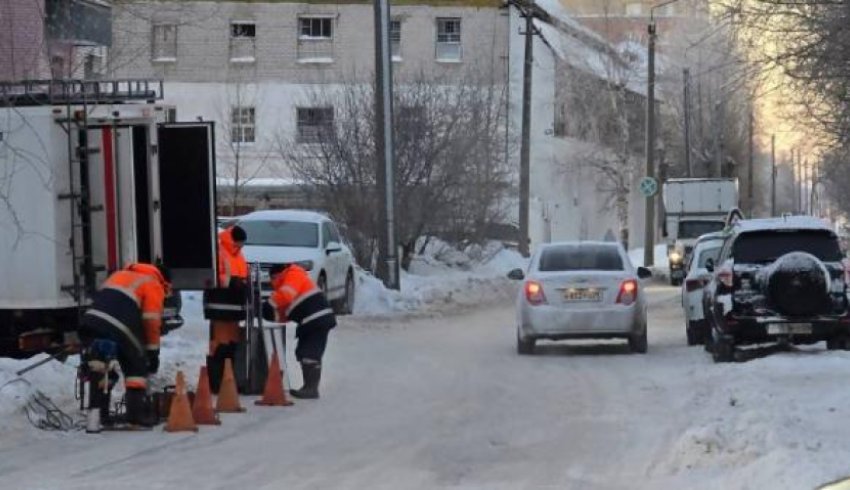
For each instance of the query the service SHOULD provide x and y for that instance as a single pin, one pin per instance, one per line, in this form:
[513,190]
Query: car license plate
[789,328]
[582,294]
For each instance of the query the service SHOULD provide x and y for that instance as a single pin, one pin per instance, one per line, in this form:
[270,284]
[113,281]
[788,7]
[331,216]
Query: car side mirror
[644,273]
[516,275]
[333,247]
[709,265]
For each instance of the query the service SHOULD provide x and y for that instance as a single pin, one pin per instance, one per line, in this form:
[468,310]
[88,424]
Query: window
[281,233]
[634,9]
[395,40]
[581,258]
[315,27]
[767,246]
[695,229]
[242,41]
[314,124]
[329,234]
[242,125]
[315,40]
[448,39]
[164,42]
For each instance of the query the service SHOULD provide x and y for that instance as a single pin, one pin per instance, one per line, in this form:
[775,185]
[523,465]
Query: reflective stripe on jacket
[231,262]
[131,300]
[297,298]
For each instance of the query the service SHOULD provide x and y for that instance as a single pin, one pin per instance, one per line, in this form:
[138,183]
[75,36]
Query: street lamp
[649,230]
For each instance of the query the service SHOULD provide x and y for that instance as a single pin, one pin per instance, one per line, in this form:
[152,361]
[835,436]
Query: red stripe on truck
[109,200]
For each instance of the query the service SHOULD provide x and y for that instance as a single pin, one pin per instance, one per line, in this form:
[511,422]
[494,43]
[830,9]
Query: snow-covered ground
[441,400]
[443,279]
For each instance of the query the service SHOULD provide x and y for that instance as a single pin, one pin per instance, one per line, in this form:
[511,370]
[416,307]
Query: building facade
[41,39]
[254,68]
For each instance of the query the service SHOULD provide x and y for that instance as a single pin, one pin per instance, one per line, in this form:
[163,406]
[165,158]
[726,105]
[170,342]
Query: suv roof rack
[71,91]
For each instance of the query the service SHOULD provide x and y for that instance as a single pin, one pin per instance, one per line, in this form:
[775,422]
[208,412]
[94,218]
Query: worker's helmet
[238,234]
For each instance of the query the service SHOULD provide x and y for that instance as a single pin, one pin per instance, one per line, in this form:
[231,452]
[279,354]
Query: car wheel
[323,284]
[722,350]
[839,342]
[524,346]
[639,343]
[345,306]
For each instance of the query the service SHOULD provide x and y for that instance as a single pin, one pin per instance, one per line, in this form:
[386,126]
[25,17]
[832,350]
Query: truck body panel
[55,250]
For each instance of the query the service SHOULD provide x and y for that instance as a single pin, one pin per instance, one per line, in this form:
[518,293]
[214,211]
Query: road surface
[444,403]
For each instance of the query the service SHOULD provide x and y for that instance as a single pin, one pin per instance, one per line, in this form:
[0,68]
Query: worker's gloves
[238,284]
[153,360]
[269,313]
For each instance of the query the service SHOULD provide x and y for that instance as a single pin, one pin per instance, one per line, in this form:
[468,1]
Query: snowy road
[446,403]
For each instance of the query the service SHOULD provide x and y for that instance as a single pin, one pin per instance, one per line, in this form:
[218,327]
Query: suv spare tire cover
[798,285]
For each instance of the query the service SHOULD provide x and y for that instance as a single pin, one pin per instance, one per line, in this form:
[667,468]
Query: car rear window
[281,233]
[768,246]
[695,229]
[708,253]
[581,258]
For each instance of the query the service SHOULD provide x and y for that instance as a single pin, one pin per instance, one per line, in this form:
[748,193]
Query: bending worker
[296,298]
[233,275]
[124,323]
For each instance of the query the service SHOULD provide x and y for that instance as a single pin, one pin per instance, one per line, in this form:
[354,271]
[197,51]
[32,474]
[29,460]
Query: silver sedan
[580,290]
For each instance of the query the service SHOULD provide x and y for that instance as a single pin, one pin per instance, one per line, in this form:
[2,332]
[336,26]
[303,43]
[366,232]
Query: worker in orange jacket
[296,298]
[232,274]
[124,324]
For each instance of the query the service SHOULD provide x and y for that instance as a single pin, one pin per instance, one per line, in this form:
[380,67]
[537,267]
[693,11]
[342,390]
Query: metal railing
[61,91]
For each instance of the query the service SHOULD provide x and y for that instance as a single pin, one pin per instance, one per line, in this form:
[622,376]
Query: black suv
[777,280]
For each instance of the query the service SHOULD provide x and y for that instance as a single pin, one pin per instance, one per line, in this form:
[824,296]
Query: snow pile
[54,379]
[443,276]
[774,420]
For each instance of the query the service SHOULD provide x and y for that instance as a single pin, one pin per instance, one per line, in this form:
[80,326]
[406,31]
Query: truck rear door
[187,203]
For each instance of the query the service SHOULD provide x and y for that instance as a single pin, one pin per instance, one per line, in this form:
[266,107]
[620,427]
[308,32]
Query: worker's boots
[139,408]
[312,373]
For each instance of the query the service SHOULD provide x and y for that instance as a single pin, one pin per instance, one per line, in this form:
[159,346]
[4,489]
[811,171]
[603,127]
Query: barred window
[314,124]
[164,42]
[242,125]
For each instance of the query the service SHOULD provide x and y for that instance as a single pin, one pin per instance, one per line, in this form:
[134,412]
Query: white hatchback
[580,290]
[308,238]
[696,277]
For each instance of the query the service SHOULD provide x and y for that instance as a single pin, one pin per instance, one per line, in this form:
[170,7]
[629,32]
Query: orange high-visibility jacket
[231,262]
[144,284]
[297,298]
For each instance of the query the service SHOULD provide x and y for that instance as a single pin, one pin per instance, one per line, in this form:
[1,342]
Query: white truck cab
[694,207]
[95,175]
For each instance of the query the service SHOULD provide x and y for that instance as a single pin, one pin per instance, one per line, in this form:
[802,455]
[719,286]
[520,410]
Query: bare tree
[450,152]
[604,109]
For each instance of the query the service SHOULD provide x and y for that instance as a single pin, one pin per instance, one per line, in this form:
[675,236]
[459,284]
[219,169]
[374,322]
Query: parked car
[779,279]
[308,238]
[707,248]
[579,290]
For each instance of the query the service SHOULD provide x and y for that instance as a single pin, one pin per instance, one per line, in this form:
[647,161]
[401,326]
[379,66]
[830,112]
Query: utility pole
[751,164]
[649,230]
[718,137]
[387,249]
[525,144]
[686,76]
[773,175]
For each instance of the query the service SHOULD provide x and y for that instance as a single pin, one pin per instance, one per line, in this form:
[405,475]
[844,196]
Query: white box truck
[93,176]
[694,207]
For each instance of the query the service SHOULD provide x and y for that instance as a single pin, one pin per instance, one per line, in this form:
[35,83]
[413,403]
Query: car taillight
[694,284]
[726,277]
[534,293]
[628,292]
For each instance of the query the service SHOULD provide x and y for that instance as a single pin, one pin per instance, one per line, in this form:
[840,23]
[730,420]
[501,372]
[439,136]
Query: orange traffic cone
[274,394]
[228,395]
[202,408]
[180,415]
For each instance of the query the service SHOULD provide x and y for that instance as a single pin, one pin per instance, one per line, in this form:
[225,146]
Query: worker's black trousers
[312,341]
